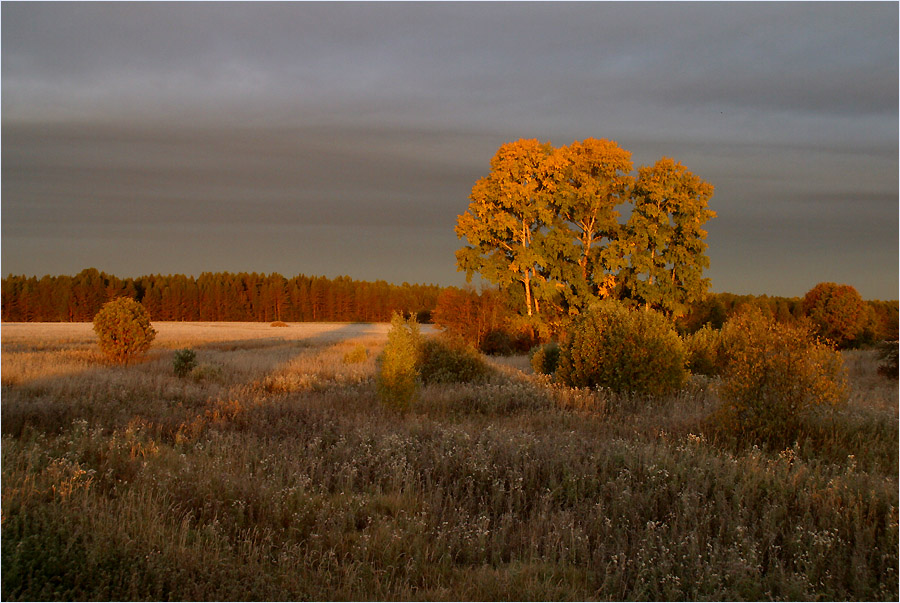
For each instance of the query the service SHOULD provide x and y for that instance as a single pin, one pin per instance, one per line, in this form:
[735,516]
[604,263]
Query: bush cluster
[702,350]
[774,375]
[124,331]
[887,355]
[507,341]
[183,362]
[545,358]
[624,350]
[358,354]
[410,360]
[497,343]
[446,360]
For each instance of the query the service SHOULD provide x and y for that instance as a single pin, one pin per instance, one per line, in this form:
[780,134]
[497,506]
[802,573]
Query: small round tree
[775,374]
[123,327]
[837,311]
[626,350]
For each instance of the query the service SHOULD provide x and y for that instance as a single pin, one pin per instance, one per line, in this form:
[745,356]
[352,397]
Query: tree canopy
[504,222]
[837,312]
[663,239]
[544,225]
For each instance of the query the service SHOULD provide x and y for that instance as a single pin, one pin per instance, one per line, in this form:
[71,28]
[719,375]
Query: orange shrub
[774,375]
[123,328]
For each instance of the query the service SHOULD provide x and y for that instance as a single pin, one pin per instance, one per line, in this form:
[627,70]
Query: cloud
[142,118]
[832,58]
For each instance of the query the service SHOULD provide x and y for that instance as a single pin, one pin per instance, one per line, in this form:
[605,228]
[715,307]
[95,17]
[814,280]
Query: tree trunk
[527,281]
[586,245]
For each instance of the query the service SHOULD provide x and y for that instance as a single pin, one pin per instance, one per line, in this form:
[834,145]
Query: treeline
[487,319]
[880,321]
[219,296]
[478,317]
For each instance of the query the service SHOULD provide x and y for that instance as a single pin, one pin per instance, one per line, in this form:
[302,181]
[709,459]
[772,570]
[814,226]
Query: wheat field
[272,471]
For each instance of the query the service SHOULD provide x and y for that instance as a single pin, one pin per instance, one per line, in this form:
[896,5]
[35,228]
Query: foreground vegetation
[272,471]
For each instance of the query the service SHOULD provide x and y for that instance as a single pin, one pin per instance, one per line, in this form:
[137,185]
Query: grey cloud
[145,121]
[727,55]
[95,173]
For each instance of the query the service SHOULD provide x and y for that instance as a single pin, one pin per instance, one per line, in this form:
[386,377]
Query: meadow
[273,471]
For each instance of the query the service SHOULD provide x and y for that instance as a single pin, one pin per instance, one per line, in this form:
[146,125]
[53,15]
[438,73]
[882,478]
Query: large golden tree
[503,222]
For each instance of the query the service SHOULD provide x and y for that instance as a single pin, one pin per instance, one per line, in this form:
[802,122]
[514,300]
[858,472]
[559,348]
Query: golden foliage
[124,331]
[775,374]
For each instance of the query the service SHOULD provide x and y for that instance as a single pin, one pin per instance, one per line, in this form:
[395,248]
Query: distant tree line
[483,318]
[220,296]
[877,320]
[488,319]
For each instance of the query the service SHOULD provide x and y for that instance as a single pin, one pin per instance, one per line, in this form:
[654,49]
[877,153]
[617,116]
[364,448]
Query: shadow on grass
[48,388]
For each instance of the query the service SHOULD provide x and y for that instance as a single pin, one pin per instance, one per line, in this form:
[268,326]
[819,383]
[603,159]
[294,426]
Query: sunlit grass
[278,474]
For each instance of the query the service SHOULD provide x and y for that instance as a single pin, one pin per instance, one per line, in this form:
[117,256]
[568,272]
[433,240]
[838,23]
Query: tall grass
[282,476]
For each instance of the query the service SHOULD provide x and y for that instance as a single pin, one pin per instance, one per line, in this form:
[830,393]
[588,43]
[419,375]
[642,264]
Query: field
[272,471]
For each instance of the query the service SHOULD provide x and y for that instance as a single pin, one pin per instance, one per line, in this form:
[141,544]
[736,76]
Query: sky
[344,138]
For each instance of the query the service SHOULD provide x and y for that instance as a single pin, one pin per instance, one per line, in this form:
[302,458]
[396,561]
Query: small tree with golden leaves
[398,364]
[123,328]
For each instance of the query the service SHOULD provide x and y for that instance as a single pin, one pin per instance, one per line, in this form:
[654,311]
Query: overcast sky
[344,138]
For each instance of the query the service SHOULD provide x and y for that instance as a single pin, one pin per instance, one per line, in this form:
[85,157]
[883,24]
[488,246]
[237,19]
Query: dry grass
[273,472]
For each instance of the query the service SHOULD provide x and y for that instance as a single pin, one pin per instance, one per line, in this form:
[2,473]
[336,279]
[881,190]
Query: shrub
[397,379]
[184,362]
[278,323]
[124,331]
[497,343]
[469,315]
[838,313]
[774,375]
[208,372]
[887,354]
[445,360]
[545,358]
[356,355]
[887,318]
[625,350]
[702,350]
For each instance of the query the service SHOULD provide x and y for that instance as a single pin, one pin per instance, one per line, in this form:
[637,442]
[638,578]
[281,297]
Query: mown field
[273,471]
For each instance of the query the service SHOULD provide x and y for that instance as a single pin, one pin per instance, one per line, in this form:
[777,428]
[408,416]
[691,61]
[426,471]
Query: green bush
[445,360]
[356,355]
[184,362]
[625,350]
[545,358]
[887,355]
[497,343]
[124,331]
[398,374]
[702,349]
[774,375]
